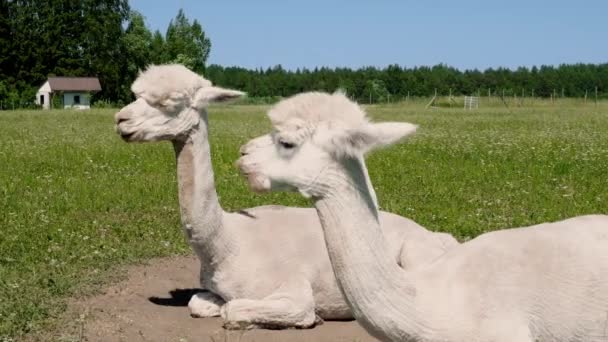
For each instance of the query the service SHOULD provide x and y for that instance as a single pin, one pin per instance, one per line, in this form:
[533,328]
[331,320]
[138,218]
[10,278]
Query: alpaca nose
[243,165]
[122,116]
[243,150]
[239,163]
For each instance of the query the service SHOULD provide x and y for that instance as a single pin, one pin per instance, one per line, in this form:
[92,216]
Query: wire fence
[489,98]
[14,105]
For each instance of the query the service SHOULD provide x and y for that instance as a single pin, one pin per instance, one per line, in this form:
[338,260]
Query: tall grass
[76,201]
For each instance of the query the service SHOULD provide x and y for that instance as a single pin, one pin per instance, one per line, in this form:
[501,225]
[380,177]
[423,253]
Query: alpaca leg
[290,306]
[205,304]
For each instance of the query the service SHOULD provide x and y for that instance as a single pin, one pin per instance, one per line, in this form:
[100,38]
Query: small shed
[75,92]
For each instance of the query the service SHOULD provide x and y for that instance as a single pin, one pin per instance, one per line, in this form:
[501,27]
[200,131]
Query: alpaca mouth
[257,183]
[126,136]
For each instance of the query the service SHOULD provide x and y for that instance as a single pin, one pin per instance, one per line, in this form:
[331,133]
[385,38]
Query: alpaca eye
[286,144]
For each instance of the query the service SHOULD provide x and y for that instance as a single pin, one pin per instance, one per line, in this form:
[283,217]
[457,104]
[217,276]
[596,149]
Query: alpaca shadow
[179,297]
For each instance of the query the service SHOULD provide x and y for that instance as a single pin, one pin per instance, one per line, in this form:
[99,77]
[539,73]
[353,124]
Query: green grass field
[76,201]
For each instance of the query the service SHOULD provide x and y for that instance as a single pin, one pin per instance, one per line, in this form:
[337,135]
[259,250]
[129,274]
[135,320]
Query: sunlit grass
[76,201]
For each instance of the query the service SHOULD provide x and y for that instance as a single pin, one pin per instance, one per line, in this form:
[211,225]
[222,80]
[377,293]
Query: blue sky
[464,34]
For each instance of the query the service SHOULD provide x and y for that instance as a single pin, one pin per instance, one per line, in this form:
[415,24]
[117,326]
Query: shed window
[76,99]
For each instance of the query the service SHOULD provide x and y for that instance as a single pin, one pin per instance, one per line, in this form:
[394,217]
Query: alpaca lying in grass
[261,267]
[547,282]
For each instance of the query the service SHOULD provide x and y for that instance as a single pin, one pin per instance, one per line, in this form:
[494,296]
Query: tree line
[105,38]
[395,82]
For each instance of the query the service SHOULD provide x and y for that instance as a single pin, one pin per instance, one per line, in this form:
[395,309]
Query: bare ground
[151,305]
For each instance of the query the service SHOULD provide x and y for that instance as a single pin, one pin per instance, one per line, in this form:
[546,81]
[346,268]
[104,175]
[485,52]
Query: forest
[107,39]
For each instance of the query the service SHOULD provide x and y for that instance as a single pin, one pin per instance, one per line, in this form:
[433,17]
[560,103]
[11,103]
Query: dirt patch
[151,305]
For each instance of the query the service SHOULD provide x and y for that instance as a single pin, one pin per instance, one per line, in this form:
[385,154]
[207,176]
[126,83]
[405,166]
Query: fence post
[554,95]
[489,96]
[450,98]
[596,95]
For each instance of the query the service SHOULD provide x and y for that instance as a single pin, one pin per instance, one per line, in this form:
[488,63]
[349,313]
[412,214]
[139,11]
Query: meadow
[77,202]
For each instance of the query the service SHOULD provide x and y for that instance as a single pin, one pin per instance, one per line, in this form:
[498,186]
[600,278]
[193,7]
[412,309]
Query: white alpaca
[547,282]
[268,264]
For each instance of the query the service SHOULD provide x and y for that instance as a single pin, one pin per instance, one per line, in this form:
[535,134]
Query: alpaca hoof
[233,325]
[232,321]
[204,304]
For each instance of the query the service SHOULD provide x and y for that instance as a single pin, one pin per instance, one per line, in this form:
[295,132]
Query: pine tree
[187,43]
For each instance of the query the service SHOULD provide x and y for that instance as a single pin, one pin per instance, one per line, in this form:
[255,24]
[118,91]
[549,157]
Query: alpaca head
[316,139]
[169,102]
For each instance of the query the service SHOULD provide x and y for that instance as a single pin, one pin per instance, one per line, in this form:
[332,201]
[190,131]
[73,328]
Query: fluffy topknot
[315,108]
[160,81]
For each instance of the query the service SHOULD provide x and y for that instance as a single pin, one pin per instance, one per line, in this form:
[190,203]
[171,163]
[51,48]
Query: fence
[12,105]
[489,97]
[471,102]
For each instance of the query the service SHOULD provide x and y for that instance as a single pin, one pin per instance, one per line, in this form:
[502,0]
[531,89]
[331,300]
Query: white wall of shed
[47,99]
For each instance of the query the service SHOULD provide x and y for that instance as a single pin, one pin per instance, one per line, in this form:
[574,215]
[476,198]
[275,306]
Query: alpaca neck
[368,184]
[378,291]
[201,213]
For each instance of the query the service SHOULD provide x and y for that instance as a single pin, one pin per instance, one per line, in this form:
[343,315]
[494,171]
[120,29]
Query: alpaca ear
[372,136]
[206,95]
